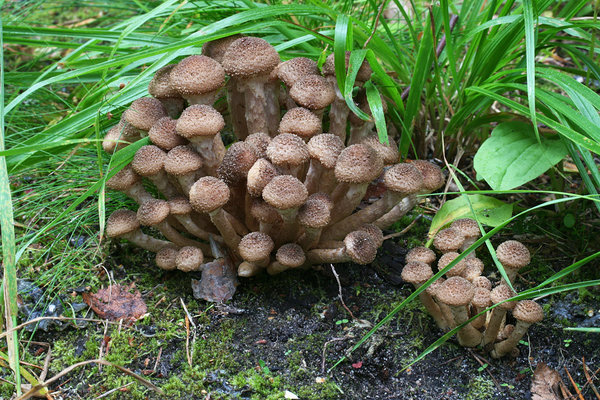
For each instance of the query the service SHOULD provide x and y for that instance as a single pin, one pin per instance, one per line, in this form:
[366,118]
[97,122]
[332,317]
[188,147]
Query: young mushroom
[160,88]
[526,312]
[255,248]
[417,273]
[198,79]
[513,256]
[290,255]
[499,295]
[124,224]
[457,293]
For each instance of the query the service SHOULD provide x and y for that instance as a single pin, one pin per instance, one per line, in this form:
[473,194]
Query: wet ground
[280,336]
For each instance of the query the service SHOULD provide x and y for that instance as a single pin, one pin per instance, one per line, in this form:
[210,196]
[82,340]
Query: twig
[157,360]
[44,372]
[337,278]
[188,321]
[484,363]
[65,371]
[589,379]
[403,231]
[325,350]
[379,12]
[112,391]
[574,384]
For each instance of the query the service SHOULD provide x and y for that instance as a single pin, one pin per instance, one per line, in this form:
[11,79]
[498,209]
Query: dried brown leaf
[545,384]
[117,302]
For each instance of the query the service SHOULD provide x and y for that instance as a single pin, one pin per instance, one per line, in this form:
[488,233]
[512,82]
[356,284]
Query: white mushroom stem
[467,335]
[320,256]
[407,204]
[178,239]
[221,221]
[272,106]
[237,109]
[211,149]
[161,181]
[315,170]
[207,98]
[138,193]
[193,228]
[247,269]
[479,322]
[359,132]
[506,346]
[347,204]
[338,114]
[256,105]
[491,331]
[310,238]
[146,242]
[432,308]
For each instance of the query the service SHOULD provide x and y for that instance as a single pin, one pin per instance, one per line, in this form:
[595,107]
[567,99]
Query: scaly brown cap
[160,85]
[388,152]
[189,258]
[358,164]
[256,246]
[195,75]
[148,160]
[364,72]
[153,212]
[199,120]
[361,247]
[291,70]
[208,194]
[238,160]
[312,92]
[468,227]
[455,291]
[264,212]
[501,293]
[180,206]
[121,222]
[416,272]
[259,175]
[422,254]
[285,192]
[291,255]
[300,121]
[316,211]
[165,258]
[260,141]
[216,49]
[123,179]
[446,259]
[287,149]
[326,148]
[482,281]
[375,232]
[164,135]
[250,56]
[481,298]
[433,178]
[513,254]
[528,311]
[448,240]
[144,112]
[182,160]
[403,178]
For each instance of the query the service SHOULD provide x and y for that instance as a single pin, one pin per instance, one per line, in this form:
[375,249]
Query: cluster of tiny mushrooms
[465,293]
[283,194]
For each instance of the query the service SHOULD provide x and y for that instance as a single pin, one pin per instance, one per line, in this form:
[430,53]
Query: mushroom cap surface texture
[358,163]
[513,254]
[285,192]
[422,254]
[361,247]
[250,56]
[196,75]
[208,194]
[455,291]
[256,246]
[291,255]
[448,240]
[199,120]
[416,272]
[528,311]
[121,222]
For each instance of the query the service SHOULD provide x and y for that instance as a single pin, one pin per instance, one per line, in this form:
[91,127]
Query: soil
[285,333]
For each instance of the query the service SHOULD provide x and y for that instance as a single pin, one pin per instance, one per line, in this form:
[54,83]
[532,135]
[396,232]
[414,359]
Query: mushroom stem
[237,109]
[491,331]
[506,346]
[219,217]
[146,242]
[256,105]
[407,204]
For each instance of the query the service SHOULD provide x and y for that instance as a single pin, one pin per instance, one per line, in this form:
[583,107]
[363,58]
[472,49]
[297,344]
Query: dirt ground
[280,336]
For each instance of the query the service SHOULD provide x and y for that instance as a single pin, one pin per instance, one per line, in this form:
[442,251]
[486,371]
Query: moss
[480,388]
[263,385]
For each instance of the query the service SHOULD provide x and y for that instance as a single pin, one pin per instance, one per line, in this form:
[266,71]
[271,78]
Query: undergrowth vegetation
[505,94]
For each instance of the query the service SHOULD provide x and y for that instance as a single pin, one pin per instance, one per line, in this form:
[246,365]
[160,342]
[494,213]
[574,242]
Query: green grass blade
[528,17]
[342,42]
[9,282]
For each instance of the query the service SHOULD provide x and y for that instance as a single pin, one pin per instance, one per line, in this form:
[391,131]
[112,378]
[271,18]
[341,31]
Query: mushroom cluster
[464,292]
[283,194]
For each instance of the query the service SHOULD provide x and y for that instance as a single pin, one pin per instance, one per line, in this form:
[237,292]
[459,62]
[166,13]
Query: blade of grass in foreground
[9,283]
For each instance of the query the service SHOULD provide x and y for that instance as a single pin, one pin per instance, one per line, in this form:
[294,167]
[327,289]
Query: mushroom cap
[361,247]
[121,222]
[250,56]
[316,211]
[238,160]
[375,232]
[182,160]
[467,226]
[148,160]
[199,120]
[256,246]
[300,121]
[455,291]
[291,255]
[260,141]
[160,85]
[358,163]
[528,311]
[144,112]
[501,293]
[416,272]
[285,192]
[121,131]
[123,179]
[448,240]
[326,148]
[422,254]
[481,298]
[433,178]
[264,212]
[364,72]
[165,258]
[473,269]
[153,212]
[403,178]
[216,49]
[312,92]
[388,152]
[291,70]
[288,149]
[433,288]
[482,281]
[189,258]
[164,134]
[208,194]
[259,175]
[513,254]
[446,259]
[180,205]
[195,75]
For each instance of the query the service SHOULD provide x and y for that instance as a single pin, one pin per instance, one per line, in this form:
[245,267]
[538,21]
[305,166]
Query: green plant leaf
[512,156]
[490,211]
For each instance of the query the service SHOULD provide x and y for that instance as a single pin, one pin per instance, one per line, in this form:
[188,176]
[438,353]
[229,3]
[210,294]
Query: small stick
[589,378]
[157,360]
[574,384]
[337,278]
[403,231]
[188,321]
[112,391]
[325,350]
[484,364]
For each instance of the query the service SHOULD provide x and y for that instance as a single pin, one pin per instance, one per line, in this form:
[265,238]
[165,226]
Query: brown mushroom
[417,273]
[513,256]
[198,79]
[457,292]
[526,312]
[124,224]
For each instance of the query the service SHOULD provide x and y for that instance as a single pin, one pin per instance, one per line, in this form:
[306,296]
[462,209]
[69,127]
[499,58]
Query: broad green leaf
[512,156]
[490,211]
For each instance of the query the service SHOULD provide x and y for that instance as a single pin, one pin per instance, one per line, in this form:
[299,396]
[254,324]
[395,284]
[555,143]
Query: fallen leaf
[357,364]
[218,281]
[117,302]
[545,383]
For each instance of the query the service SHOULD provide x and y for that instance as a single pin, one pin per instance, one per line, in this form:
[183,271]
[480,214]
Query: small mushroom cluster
[284,194]
[464,292]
